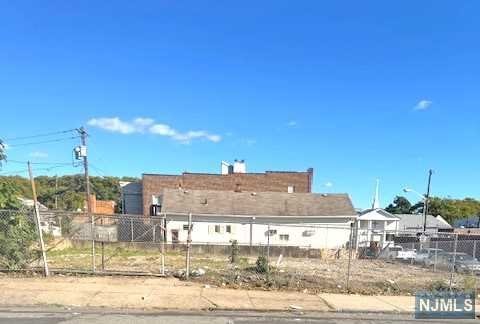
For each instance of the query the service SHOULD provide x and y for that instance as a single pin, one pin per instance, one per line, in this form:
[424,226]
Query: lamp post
[425,199]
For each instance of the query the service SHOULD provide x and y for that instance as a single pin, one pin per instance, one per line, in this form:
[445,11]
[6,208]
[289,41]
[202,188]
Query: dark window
[271,232]
[228,229]
[217,228]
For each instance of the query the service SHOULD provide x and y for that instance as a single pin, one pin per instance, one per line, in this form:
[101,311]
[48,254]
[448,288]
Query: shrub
[17,235]
[262,264]
[234,251]
[439,285]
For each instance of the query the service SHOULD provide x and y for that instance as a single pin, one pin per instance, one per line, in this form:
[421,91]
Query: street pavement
[172,294]
[27,316]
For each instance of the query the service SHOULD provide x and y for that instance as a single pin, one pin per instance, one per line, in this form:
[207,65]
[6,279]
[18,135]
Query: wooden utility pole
[56,192]
[83,152]
[426,201]
[37,219]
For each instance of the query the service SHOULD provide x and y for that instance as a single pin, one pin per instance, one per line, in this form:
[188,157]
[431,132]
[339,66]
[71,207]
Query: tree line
[450,209]
[68,191]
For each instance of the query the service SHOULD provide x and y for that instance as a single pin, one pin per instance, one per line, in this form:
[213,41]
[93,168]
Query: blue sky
[356,90]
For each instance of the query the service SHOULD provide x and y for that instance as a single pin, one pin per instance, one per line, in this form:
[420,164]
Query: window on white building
[228,228]
[217,228]
[271,232]
[284,237]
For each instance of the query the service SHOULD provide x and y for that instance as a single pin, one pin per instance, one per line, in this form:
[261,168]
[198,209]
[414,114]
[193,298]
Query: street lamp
[425,199]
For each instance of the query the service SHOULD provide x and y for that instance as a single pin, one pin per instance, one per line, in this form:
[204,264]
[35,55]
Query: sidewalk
[172,294]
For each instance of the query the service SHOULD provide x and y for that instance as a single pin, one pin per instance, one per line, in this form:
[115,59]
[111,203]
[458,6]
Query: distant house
[253,218]
[376,228]
[27,202]
[105,207]
[414,223]
[470,222]
[131,197]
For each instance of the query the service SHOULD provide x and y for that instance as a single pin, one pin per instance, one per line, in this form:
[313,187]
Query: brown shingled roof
[261,203]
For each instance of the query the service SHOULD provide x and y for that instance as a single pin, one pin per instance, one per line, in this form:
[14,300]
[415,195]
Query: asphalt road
[70,317]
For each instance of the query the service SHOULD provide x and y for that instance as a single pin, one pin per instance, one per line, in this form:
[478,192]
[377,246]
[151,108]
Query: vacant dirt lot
[298,274]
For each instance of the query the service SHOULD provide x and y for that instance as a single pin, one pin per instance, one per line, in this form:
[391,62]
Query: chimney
[226,168]
[239,166]
[310,179]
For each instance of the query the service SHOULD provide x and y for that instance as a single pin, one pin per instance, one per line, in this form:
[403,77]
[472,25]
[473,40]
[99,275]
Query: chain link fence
[242,252]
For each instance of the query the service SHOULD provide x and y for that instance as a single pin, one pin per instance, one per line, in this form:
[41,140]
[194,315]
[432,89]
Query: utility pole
[56,192]
[425,202]
[37,218]
[83,153]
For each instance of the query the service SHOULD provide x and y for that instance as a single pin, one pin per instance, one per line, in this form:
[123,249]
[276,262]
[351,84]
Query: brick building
[106,207]
[274,181]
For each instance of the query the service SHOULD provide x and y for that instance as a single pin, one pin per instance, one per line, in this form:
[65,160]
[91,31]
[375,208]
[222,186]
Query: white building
[280,218]
[376,227]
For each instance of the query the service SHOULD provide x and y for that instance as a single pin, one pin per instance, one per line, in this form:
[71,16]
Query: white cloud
[38,155]
[328,184]
[112,124]
[292,123]
[142,125]
[423,104]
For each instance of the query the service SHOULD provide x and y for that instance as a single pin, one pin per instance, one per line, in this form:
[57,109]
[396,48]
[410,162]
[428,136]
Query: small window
[185,227]
[389,237]
[271,232]
[291,189]
[284,237]
[217,228]
[228,229]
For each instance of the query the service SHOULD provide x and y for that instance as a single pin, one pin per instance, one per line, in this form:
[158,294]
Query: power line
[98,170]
[38,135]
[39,163]
[47,141]
[36,169]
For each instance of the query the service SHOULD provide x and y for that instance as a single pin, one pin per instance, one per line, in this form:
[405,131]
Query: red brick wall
[254,182]
[102,206]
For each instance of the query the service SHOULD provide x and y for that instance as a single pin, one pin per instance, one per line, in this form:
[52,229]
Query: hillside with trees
[69,190]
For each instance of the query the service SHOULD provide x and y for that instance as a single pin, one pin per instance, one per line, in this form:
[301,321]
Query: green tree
[3,154]
[400,205]
[8,195]
[17,235]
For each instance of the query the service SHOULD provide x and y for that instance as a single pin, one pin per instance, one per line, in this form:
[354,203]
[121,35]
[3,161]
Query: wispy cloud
[423,104]
[38,155]
[328,184]
[292,123]
[249,141]
[148,125]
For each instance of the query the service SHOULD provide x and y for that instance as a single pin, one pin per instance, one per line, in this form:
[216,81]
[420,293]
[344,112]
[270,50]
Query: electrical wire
[38,135]
[36,169]
[46,141]
[39,163]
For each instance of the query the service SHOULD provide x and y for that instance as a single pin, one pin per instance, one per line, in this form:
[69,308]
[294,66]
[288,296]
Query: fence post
[268,251]
[349,255]
[454,260]
[436,253]
[103,248]
[474,254]
[189,240]
[131,229]
[413,248]
[163,238]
